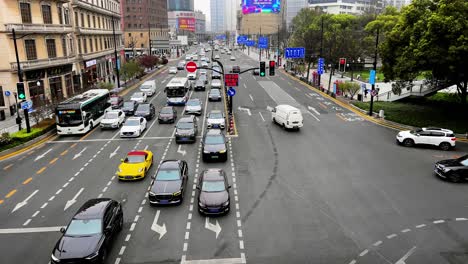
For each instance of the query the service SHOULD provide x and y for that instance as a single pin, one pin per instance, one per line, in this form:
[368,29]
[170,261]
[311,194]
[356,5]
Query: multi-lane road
[337,191]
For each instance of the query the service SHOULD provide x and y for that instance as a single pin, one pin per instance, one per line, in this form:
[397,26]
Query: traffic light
[20,91]
[272,68]
[262,69]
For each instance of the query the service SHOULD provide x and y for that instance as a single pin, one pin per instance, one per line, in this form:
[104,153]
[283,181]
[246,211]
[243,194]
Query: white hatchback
[442,138]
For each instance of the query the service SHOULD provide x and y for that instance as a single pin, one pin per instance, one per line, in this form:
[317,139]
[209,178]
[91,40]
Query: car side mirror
[229,187]
[62,230]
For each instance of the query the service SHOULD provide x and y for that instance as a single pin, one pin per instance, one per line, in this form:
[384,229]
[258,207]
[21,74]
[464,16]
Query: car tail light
[453,139]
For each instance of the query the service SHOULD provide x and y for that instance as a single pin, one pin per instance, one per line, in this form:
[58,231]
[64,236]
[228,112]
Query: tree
[130,70]
[105,85]
[352,88]
[148,61]
[429,38]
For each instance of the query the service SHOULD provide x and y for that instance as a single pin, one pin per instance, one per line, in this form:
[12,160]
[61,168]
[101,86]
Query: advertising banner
[260,6]
[186,23]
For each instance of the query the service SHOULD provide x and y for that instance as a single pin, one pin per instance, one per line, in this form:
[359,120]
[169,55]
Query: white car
[215,119]
[287,116]
[192,75]
[139,97]
[188,57]
[443,138]
[193,106]
[229,52]
[216,83]
[233,58]
[133,127]
[148,87]
[203,72]
[173,70]
[216,57]
[112,119]
[204,64]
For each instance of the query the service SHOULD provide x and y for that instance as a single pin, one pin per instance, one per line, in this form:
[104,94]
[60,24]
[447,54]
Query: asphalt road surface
[337,191]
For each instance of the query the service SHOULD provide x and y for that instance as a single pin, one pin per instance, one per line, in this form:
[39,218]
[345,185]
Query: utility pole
[259,49]
[248,47]
[375,69]
[20,79]
[321,49]
[115,54]
[149,37]
[278,47]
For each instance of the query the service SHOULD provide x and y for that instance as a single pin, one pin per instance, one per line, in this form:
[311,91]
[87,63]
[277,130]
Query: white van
[149,87]
[287,116]
[195,57]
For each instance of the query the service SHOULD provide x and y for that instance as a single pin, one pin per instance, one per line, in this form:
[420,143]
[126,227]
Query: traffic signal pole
[20,79]
[375,69]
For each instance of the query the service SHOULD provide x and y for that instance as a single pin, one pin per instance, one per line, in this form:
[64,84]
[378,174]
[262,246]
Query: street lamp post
[20,79]
[375,68]
[115,54]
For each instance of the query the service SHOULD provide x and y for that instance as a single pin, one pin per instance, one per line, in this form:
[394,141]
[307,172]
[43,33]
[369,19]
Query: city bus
[177,91]
[83,112]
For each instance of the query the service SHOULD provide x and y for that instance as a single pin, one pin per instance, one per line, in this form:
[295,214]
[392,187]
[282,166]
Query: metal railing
[40,63]
[39,28]
[422,90]
[95,31]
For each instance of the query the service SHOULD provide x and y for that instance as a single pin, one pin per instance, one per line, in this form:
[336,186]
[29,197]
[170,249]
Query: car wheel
[408,142]
[454,177]
[274,120]
[91,125]
[445,146]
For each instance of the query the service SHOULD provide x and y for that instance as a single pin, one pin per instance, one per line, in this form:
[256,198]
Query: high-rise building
[397,3]
[348,6]
[141,19]
[292,8]
[218,18]
[180,5]
[63,47]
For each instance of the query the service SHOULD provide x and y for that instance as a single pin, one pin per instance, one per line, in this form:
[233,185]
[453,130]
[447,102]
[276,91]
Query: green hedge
[8,141]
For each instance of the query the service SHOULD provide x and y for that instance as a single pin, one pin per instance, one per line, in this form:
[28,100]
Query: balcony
[94,8]
[90,56]
[95,31]
[42,63]
[40,28]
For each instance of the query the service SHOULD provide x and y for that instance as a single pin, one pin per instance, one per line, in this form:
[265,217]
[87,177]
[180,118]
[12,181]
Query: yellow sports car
[135,166]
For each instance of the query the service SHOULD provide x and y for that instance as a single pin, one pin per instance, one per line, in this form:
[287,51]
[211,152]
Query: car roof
[187,119]
[93,208]
[194,100]
[437,129]
[170,164]
[114,111]
[287,107]
[215,112]
[133,118]
[214,132]
[214,91]
[213,174]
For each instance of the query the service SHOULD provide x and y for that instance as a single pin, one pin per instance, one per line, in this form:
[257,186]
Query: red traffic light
[272,64]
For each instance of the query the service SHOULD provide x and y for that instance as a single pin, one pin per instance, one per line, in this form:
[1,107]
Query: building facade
[292,8]
[143,18]
[200,26]
[180,5]
[63,47]
[354,7]
[218,18]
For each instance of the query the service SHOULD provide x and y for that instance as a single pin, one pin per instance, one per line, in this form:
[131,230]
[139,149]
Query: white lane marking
[352,261]
[122,250]
[136,218]
[185,246]
[114,153]
[391,236]
[27,222]
[261,116]
[44,205]
[73,200]
[65,185]
[127,238]
[23,203]
[313,115]
[363,253]
[461,219]
[376,244]
[80,153]
[313,109]
[419,226]
[52,198]
[245,86]
[30,230]
[438,221]
[58,191]
[239,232]
[187,234]
[213,227]
[406,256]
[104,189]
[241,244]
[35,214]
[251,97]
[132,227]
[405,230]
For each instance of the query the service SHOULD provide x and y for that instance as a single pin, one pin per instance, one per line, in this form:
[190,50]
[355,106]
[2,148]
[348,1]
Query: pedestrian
[358,77]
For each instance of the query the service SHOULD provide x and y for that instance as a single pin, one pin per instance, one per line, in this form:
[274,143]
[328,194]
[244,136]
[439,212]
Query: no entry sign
[191,66]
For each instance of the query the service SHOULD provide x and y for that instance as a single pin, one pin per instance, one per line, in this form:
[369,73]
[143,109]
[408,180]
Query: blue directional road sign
[241,39]
[372,77]
[250,43]
[7,93]
[263,42]
[231,91]
[294,53]
[26,105]
[321,65]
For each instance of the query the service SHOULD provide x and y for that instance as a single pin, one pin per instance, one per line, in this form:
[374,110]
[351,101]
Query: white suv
[443,138]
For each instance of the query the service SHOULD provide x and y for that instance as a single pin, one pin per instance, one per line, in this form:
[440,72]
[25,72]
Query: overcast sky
[204,6]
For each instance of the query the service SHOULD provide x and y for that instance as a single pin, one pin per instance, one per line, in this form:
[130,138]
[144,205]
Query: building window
[129,34]
[79,45]
[30,47]
[76,19]
[100,43]
[26,12]
[129,25]
[64,47]
[94,21]
[89,21]
[66,16]
[141,34]
[46,14]
[51,51]
[60,14]
[82,19]
[91,44]
[72,49]
[95,44]
[85,46]
[99,22]
[142,45]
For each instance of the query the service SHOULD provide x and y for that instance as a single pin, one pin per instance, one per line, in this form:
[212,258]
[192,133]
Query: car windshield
[84,227]
[215,116]
[416,131]
[214,92]
[463,160]
[129,104]
[111,115]
[168,175]
[135,95]
[135,159]
[184,125]
[199,83]
[166,110]
[132,122]
[193,103]
[173,68]
[114,99]
[214,140]
[213,186]
[145,87]
[143,108]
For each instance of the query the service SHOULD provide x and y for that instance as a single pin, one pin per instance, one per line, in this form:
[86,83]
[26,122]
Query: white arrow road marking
[261,116]
[245,109]
[73,200]
[215,228]
[114,153]
[42,155]
[251,98]
[79,154]
[313,115]
[406,256]
[161,230]
[23,203]
[313,109]
[179,150]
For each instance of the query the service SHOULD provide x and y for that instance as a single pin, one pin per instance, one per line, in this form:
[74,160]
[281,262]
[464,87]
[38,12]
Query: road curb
[6,154]
[363,113]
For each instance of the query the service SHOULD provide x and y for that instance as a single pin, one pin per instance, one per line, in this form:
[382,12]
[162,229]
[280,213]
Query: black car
[200,85]
[214,95]
[186,129]
[89,235]
[235,69]
[129,107]
[168,114]
[256,71]
[146,110]
[203,78]
[169,183]
[214,145]
[454,170]
[213,192]
[116,102]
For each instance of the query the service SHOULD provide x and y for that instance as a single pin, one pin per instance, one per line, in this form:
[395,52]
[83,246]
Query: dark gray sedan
[214,95]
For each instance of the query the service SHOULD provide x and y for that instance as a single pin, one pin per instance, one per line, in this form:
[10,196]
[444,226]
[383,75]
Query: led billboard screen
[186,23]
[260,6]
